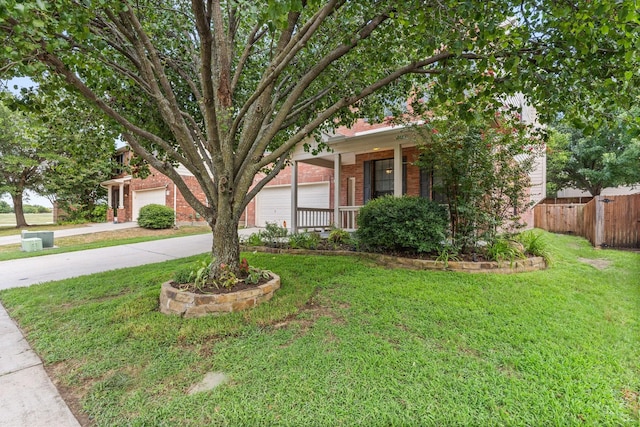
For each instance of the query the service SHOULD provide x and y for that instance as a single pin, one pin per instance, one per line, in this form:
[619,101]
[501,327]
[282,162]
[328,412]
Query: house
[126,194]
[322,190]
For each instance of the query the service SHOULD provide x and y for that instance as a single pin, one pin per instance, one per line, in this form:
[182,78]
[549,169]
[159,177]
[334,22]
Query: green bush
[503,249]
[98,213]
[535,244]
[5,207]
[338,236]
[304,240]
[402,224]
[156,216]
[273,235]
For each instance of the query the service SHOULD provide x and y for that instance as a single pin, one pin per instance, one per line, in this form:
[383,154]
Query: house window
[119,160]
[382,177]
[379,176]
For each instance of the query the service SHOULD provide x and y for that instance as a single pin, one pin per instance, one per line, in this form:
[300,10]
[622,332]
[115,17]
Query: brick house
[126,194]
[363,161]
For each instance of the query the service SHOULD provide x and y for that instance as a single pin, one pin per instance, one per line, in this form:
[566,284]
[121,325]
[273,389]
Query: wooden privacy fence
[606,221]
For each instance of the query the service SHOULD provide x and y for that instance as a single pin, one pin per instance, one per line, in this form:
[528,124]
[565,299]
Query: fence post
[599,232]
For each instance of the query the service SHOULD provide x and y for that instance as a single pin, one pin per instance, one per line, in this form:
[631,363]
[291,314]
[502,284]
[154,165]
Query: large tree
[228,87]
[80,141]
[55,145]
[22,158]
[608,156]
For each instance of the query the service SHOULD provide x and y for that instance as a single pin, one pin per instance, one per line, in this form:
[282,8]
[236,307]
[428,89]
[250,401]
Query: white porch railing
[348,217]
[324,218]
[314,218]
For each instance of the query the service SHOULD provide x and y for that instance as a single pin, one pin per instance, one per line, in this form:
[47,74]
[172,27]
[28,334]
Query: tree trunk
[21,222]
[226,244]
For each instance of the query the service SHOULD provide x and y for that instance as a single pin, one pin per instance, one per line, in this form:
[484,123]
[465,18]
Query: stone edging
[518,266]
[189,304]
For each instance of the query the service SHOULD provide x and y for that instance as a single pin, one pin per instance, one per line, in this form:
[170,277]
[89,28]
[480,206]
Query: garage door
[273,204]
[147,197]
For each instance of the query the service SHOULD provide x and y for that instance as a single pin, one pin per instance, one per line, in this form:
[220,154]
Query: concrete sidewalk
[88,229]
[27,396]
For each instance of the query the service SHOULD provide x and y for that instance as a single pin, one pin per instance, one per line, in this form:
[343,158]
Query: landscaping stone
[209,382]
[189,304]
[518,266]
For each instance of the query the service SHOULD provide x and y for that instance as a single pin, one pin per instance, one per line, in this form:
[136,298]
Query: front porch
[365,165]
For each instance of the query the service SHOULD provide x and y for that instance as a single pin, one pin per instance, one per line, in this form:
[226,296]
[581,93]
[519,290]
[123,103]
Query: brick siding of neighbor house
[185,214]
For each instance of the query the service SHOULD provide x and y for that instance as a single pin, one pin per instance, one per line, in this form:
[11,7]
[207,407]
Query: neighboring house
[363,161]
[126,194]
[609,191]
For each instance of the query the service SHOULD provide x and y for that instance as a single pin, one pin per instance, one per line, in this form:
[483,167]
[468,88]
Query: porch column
[397,171]
[294,197]
[121,196]
[109,196]
[336,191]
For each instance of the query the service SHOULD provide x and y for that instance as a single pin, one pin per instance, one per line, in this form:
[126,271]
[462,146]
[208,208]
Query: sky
[30,198]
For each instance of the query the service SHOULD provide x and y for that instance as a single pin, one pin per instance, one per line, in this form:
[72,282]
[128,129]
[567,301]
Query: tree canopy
[228,87]
[22,158]
[55,145]
[606,157]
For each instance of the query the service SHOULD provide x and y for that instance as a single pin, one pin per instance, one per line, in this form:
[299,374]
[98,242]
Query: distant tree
[55,145]
[82,142]
[22,158]
[5,207]
[607,157]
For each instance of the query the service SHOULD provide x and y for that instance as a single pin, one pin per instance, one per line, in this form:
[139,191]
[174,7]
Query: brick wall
[357,171]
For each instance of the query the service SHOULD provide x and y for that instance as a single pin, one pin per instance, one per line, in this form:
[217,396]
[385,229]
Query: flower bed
[392,261]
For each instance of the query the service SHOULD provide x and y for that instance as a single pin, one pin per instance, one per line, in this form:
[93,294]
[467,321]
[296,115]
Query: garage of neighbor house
[147,197]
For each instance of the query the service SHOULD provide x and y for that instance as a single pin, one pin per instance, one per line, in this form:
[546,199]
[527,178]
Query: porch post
[121,196]
[109,196]
[337,220]
[294,197]
[397,171]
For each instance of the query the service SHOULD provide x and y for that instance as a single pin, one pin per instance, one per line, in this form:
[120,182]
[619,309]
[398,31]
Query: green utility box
[45,236]
[32,244]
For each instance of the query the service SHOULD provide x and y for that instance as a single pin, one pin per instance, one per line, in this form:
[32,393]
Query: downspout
[175,206]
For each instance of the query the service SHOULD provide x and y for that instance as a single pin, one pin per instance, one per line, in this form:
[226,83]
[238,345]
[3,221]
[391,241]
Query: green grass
[9,219]
[100,240]
[344,342]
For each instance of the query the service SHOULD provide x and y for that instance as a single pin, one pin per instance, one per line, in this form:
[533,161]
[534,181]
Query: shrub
[98,213]
[156,216]
[504,250]
[304,240]
[273,235]
[535,244]
[254,239]
[338,236]
[405,224]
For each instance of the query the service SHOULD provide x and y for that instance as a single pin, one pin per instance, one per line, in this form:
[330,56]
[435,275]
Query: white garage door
[147,197]
[273,204]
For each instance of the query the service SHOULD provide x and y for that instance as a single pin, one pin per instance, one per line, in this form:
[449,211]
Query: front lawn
[344,342]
